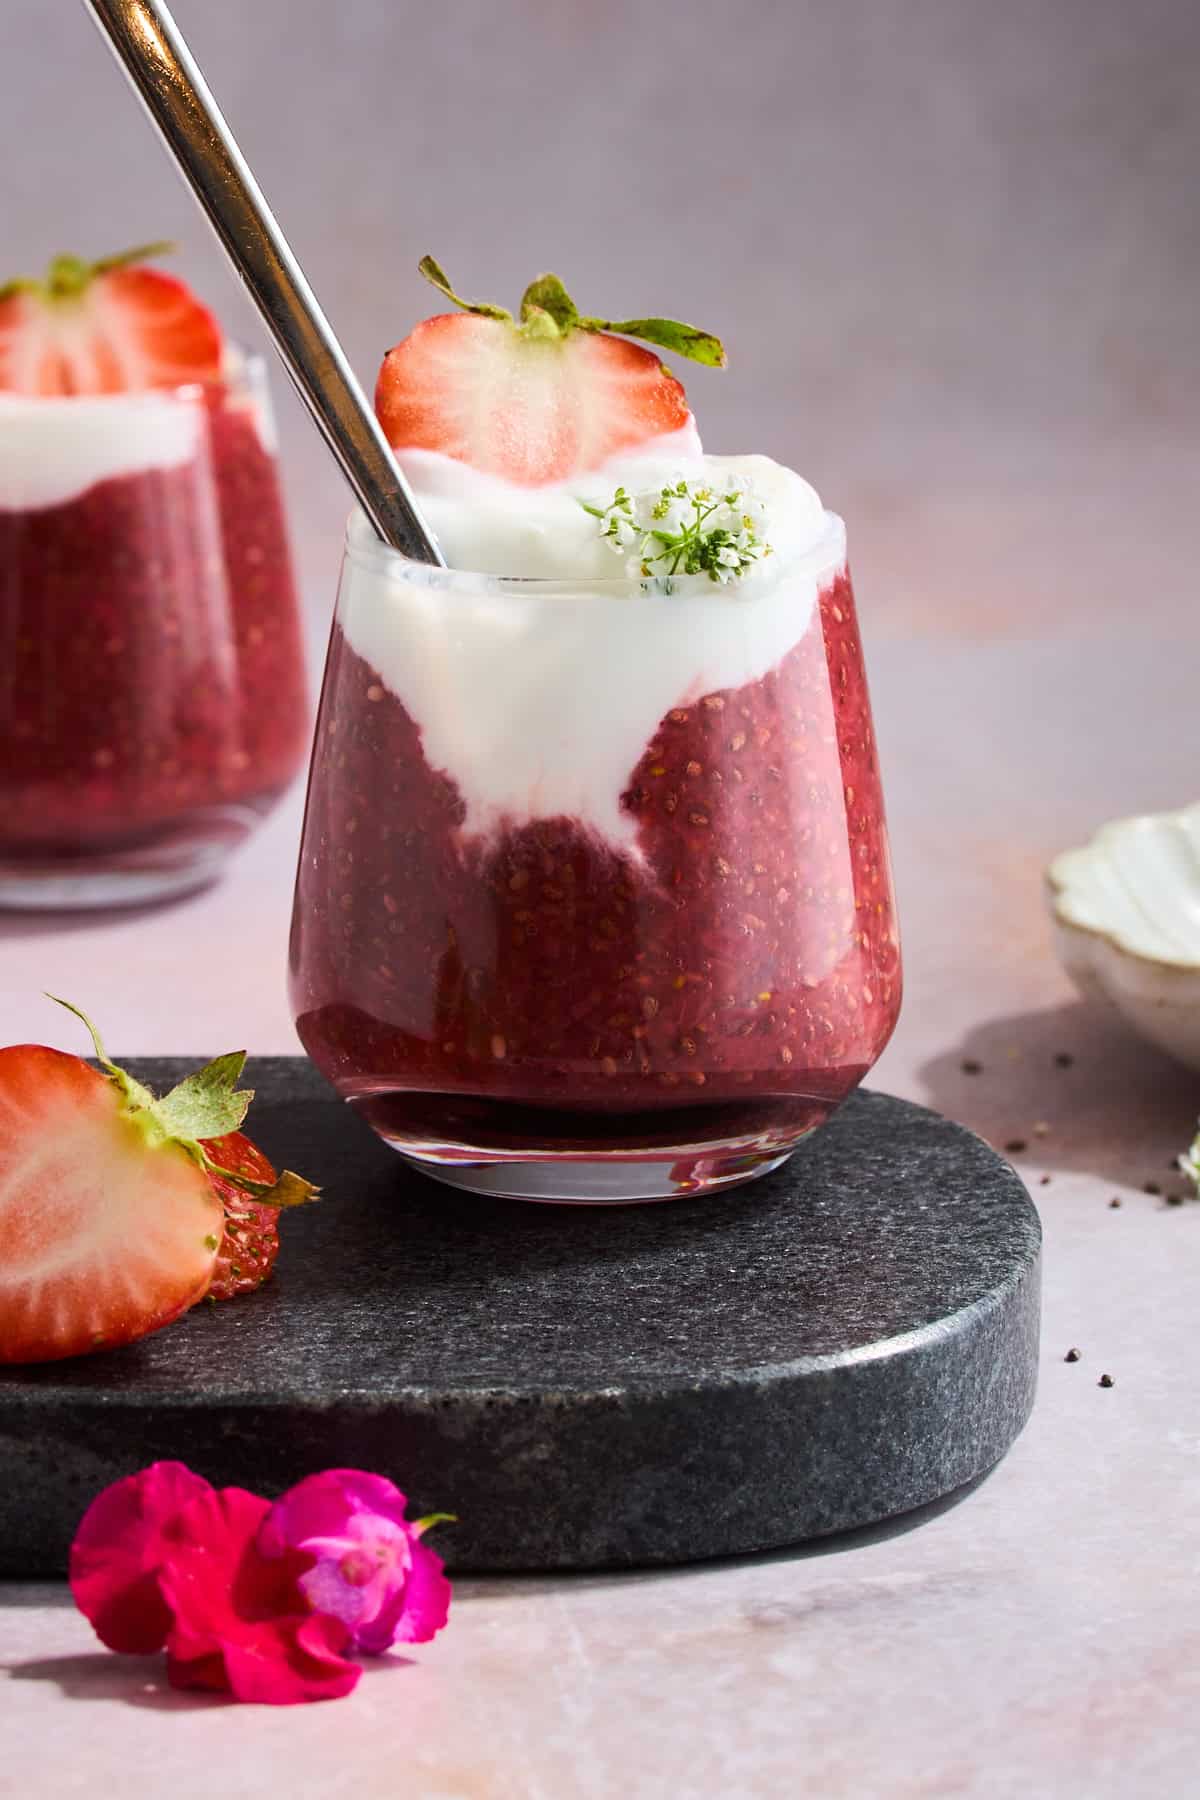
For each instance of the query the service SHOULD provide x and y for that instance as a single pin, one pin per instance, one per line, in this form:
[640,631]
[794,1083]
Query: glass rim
[243,366]
[826,557]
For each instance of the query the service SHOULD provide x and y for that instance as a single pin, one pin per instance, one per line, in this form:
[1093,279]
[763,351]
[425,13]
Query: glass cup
[594,900]
[153,700]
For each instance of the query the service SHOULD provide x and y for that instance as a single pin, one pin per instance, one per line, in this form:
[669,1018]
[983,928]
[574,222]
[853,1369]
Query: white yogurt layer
[53,450]
[539,702]
[498,528]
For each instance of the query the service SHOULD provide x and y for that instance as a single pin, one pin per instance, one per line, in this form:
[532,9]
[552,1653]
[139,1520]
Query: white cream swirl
[539,700]
[495,527]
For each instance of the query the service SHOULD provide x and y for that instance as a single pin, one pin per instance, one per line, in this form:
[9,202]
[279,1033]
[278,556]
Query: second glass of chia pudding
[594,899]
[153,701]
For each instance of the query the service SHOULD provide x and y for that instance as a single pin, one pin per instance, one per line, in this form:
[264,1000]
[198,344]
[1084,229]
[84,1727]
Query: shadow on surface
[141,1681]
[59,922]
[99,1675]
[838,1543]
[516,1583]
[1119,1110]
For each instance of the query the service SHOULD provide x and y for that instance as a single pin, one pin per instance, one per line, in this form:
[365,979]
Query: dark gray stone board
[836,1343]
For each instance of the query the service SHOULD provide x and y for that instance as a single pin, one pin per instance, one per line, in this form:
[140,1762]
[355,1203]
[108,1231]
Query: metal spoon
[146,42]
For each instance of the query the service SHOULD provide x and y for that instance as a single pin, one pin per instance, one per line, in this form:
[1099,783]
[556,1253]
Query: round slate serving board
[840,1341]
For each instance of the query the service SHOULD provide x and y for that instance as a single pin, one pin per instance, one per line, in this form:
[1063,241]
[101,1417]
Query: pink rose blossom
[368,1566]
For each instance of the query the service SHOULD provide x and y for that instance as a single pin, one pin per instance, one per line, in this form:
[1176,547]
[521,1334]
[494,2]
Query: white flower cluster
[684,530]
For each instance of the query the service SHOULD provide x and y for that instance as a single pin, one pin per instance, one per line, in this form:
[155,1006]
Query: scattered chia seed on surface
[971,1067]
[1073,1355]
[1015,1146]
[1175,1199]
[1106,1381]
[1064,1059]
[1045,1181]
[1151,1187]
[1115,1201]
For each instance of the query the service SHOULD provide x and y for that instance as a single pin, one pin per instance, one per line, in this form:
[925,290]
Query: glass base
[521,1150]
[164,866]
[602,1181]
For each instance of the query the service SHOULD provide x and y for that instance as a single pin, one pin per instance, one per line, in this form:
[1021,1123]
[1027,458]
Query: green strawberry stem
[70,276]
[203,1106]
[433,272]
[548,311]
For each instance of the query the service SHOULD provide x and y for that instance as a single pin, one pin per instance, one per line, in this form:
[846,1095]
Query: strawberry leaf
[288,1189]
[69,276]
[547,310]
[434,273]
[141,253]
[548,295]
[667,334]
[206,1104]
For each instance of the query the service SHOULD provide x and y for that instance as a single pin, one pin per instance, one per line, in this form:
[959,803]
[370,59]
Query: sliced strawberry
[537,400]
[103,328]
[533,410]
[106,1236]
[112,1203]
[250,1244]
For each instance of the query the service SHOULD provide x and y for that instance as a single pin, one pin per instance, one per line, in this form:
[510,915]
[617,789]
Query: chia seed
[642,976]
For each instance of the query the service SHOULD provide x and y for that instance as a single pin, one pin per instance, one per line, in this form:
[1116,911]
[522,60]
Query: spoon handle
[147,43]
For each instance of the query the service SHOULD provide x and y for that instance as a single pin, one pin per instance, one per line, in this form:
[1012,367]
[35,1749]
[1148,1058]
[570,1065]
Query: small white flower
[680,529]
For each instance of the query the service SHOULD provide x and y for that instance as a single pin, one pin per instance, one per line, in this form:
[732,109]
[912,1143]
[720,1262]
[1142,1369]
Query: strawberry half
[113,1212]
[106,327]
[537,399]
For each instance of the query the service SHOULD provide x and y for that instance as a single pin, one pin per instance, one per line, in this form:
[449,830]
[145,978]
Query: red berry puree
[153,681]
[539,991]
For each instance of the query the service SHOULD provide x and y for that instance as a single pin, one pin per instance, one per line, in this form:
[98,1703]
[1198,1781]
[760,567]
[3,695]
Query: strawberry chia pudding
[152,702]
[594,898]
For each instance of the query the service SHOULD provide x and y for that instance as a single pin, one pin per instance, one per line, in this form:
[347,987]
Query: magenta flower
[258,1601]
[241,1623]
[124,1539]
[369,1568]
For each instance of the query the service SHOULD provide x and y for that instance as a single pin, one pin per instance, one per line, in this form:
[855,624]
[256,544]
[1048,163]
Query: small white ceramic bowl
[1126,910]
